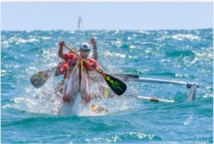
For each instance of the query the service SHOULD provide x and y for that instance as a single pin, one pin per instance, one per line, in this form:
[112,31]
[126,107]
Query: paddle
[116,85]
[40,78]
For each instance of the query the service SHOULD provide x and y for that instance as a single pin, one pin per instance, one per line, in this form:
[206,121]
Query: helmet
[85,46]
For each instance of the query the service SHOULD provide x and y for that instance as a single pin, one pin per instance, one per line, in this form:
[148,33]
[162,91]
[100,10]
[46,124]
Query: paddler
[95,55]
[71,60]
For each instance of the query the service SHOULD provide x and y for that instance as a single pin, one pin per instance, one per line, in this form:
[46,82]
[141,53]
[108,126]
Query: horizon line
[111,29]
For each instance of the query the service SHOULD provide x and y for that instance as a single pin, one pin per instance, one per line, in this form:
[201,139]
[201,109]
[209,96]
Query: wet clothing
[66,68]
[70,58]
[71,61]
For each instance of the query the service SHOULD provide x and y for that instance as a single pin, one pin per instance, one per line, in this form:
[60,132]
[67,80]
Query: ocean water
[181,55]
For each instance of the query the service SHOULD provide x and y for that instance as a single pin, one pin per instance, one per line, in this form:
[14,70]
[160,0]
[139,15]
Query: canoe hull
[77,82]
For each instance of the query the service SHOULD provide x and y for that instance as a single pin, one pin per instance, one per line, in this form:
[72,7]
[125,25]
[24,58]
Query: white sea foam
[189,119]
[120,55]
[180,37]
[185,36]
[132,47]
[129,38]
[45,38]
[133,57]
[20,40]
[3,71]
[144,32]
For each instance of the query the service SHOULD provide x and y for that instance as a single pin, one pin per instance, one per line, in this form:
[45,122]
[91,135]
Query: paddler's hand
[93,42]
[61,44]
[93,65]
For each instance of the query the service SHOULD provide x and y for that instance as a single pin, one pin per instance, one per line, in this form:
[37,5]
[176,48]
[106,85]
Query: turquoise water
[181,55]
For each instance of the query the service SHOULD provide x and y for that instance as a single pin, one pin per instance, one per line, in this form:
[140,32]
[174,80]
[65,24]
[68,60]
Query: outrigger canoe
[77,82]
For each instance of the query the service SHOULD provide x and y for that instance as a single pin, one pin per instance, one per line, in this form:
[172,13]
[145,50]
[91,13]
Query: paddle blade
[40,78]
[116,85]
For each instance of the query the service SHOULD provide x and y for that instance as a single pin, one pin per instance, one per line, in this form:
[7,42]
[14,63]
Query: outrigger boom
[188,85]
[191,86]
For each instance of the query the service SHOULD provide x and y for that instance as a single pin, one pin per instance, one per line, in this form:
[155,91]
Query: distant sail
[80,24]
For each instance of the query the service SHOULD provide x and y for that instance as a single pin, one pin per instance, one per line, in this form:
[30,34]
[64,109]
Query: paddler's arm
[94,43]
[60,64]
[60,52]
[96,65]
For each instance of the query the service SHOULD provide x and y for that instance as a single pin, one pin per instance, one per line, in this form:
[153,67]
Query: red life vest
[71,61]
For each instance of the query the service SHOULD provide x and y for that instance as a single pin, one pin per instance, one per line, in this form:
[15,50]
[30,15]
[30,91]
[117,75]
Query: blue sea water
[180,55]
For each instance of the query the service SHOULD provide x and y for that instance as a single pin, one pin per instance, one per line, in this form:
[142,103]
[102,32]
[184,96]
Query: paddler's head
[84,50]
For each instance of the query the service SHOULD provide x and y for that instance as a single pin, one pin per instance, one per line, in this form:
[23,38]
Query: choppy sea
[180,55]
